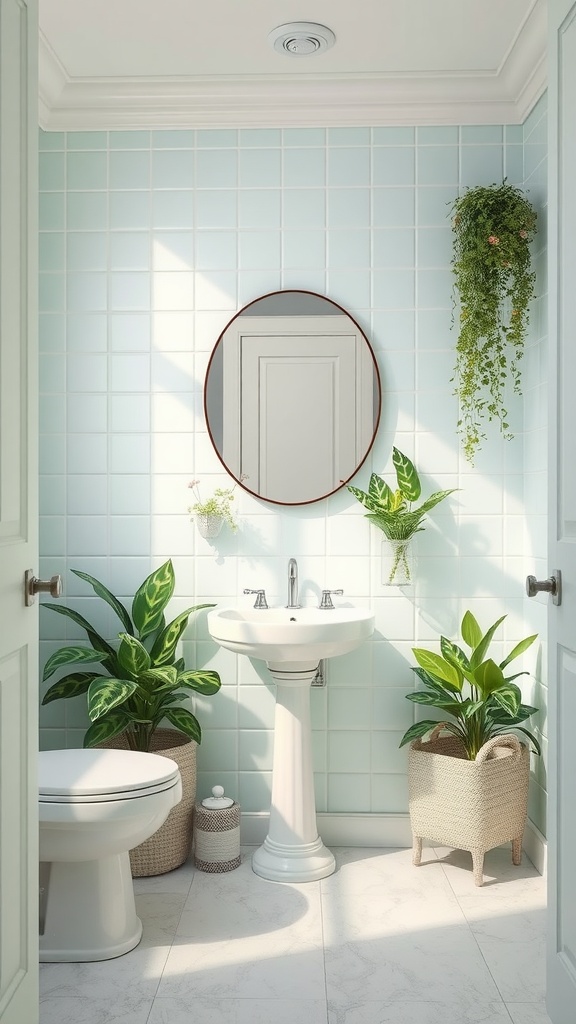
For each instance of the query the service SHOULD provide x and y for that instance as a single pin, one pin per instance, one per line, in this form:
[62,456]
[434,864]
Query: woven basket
[170,846]
[469,805]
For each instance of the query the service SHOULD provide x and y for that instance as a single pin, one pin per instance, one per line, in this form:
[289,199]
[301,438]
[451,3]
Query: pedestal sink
[292,641]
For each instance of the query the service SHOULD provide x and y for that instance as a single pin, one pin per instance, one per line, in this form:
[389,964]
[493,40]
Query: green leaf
[454,655]
[104,694]
[406,475]
[472,707]
[160,678]
[489,677]
[151,599]
[433,500]
[69,686]
[132,655]
[433,700]
[417,730]
[106,728]
[206,682]
[186,722]
[437,666]
[101,591]
[443,689]
[70,613]
[481,649]
[471,632]
[361,496]
[165,644]
[379,493]
[519,649]
[509,699]
[70,656]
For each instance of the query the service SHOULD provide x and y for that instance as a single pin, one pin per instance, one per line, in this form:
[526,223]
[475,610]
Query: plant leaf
[70,613]
[508,698]
[471,632]
[206,681]
[69,686]
[444,689]
[481,648]
[106,728]
[406,475]
[159,678]
[433,700]
[186,722]
[101,591]
[489,677]
[164,648]
[151,599]
[362,497]
[417,730]
[70,656]
[519,649]
[433,500]
[132,655]
[104,694]
[379,493]
[437,666]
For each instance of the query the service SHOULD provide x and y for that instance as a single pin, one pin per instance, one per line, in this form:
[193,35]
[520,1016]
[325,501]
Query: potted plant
[143,684]
[469,789]
[211,514]
[392,512]
[494,283]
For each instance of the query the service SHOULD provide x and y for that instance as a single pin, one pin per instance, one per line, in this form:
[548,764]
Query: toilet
[94,806]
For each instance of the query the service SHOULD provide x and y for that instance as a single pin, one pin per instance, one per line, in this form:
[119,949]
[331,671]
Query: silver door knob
[553,586]
[33,586]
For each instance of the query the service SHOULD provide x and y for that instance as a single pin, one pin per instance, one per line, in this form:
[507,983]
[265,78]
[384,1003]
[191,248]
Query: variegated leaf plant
[472,690]
[144,682]
[391,510]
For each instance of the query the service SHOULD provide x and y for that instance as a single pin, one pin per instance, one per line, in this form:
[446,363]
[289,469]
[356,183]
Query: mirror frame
[378,381]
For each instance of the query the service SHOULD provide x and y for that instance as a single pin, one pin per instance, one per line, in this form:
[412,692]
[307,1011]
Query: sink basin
[297,635]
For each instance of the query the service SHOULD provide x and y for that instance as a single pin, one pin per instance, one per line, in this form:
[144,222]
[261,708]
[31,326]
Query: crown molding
[504,96]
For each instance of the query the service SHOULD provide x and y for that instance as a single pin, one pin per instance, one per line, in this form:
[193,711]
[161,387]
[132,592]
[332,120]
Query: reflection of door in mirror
[293,422]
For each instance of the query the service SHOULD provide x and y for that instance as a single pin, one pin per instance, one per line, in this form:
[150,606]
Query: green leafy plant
[479,698]
[145,681]
[392,511]
[218,505]
[494,284]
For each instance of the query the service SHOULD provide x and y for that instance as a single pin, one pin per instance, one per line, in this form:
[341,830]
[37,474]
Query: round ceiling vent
[301,39]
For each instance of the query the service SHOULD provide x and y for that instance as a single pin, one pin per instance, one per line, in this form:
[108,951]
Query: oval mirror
[292,397]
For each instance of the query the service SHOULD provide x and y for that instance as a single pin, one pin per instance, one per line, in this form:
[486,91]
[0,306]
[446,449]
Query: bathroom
[150,241]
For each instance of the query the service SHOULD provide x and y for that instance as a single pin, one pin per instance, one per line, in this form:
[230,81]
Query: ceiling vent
[301,39]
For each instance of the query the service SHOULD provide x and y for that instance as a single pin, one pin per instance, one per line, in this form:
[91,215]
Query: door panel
[18,515]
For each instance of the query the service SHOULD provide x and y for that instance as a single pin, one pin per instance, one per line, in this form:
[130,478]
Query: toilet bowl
[95,806]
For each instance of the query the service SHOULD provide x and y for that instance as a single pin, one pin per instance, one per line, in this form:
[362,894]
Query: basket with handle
[469,805]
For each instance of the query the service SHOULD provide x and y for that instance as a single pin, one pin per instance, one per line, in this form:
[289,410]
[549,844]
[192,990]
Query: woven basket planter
[170,846]
[469,805]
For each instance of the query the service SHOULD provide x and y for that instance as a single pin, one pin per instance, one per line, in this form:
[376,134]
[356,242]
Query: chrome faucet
[293,584]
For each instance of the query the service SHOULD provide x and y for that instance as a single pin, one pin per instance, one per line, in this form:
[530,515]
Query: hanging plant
[494,285]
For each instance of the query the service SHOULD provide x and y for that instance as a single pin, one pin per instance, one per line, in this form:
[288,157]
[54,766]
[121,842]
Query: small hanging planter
[209,526]
[494,284]
[398,562]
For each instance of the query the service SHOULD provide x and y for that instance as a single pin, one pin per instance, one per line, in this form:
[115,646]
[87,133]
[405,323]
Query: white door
[18,514]
[561,996]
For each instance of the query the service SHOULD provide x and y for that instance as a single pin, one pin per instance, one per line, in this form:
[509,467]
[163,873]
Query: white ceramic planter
[208,526]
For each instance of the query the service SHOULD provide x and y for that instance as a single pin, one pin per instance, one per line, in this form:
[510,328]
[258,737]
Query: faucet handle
[326,600]
[260,601]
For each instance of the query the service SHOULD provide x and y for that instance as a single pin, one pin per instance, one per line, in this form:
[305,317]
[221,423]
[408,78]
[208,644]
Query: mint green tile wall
[150,241]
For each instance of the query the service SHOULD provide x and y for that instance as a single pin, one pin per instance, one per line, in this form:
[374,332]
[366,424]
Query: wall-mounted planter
[398,562]
[209,526]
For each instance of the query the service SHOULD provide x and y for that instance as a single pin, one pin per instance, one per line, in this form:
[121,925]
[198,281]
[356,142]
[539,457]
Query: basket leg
[478,866]
[517,850]
[416,850]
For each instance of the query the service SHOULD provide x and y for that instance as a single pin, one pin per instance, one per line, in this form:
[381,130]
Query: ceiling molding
[504,96]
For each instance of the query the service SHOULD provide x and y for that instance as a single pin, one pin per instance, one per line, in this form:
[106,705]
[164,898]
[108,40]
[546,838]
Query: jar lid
[217,800]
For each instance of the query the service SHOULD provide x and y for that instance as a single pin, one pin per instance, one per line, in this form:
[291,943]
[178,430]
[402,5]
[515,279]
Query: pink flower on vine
[493,240]
[523,234]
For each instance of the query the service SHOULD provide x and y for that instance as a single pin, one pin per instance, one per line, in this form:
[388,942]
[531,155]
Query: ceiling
[192,63]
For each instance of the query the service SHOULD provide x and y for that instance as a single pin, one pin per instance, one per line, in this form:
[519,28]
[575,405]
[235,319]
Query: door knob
[33,586]
[553,586]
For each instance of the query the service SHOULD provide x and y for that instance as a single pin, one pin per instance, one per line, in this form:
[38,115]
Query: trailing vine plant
[493,284]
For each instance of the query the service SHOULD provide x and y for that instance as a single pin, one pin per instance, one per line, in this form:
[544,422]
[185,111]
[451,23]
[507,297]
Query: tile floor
[379,942]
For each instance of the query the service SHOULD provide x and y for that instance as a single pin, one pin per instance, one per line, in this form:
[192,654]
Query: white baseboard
[373,830]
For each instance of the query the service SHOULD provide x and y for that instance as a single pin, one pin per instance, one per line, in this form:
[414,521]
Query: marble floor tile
[528,1013]
[512,938]
[72,1010]
[178,881]
[425,1012]
[501,876]
[239,1011]
[371,872]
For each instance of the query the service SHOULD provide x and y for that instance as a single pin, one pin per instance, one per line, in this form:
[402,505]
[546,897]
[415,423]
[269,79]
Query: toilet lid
[87,775]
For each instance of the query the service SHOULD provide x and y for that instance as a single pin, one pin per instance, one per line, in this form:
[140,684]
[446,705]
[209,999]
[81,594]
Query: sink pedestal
[293,850]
